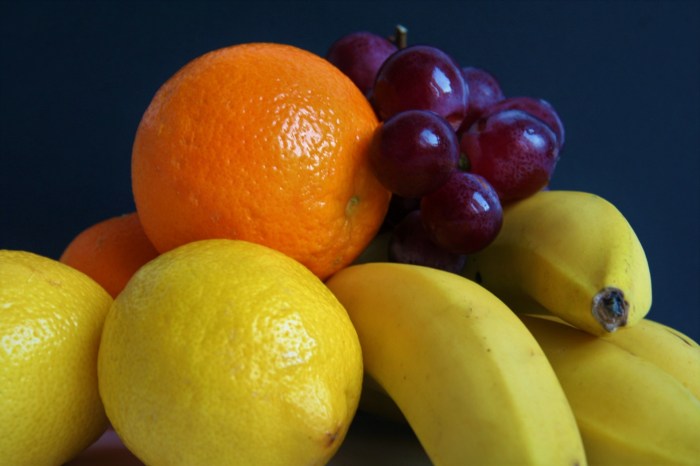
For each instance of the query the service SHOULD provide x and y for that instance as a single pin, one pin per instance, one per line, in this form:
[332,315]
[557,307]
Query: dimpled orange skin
[110,251]
[261,142]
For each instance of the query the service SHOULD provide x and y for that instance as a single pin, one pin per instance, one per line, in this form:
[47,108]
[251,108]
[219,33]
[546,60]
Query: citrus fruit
[110,251]
[229,352]
[51,318]
[261,142]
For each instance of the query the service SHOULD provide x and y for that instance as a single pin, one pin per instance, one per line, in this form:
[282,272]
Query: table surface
[370,442]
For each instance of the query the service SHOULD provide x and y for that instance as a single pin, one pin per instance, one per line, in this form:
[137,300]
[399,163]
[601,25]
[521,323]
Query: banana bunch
[667,348]
[470,379]
[634,393]
[574,254]
[541,353]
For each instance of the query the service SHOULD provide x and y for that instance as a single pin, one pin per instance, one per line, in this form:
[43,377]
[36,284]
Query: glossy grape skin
[416,151]
[464,215]
[484,91]
[359,56]
[421,77]
[514,151]
[410,244]
[539,108]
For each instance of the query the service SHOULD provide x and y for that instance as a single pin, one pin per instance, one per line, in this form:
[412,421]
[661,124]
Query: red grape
[421,77]
[463,215]
[417,150]
[539,108]
[359,56]
[484,91]
[451,147]
[514,151]
[410,244]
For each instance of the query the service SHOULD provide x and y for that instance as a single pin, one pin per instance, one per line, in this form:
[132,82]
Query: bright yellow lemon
[51,318]
[228,352]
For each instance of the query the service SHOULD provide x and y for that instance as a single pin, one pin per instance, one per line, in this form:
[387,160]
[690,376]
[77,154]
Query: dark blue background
[75,78]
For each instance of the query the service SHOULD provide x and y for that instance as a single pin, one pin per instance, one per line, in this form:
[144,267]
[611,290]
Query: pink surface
[107,450]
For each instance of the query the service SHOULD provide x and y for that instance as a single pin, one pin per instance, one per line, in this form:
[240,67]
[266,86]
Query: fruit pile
[451,146]
[312,236]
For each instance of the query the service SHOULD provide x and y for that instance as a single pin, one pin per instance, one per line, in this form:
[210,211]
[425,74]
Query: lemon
[51,318]
[228,352]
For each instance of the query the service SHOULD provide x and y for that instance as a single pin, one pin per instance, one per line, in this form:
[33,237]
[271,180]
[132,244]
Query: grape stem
[464,164]
[400,37]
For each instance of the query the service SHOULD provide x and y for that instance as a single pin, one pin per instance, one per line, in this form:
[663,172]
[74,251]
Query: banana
[469,378]
[629,411]
[665,347]
[572,252]
[669,349]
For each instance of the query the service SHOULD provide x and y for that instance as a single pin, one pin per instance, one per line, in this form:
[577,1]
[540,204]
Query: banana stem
[610,308]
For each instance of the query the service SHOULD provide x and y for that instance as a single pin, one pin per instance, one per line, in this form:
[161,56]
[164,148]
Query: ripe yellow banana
[572,252]
[469,378]
[629,411]
[666,347]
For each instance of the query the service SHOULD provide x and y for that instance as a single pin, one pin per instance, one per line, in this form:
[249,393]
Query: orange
[111,251]
[260,142]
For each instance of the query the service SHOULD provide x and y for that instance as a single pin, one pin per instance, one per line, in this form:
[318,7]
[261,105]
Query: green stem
[400,37]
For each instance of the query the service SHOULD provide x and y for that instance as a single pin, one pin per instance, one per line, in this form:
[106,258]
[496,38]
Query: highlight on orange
[110,251]
[261,142]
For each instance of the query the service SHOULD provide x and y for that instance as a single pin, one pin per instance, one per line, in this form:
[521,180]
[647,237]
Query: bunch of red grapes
[451,147]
